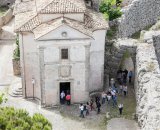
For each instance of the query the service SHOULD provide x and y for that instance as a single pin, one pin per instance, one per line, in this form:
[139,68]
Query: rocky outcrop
[138,15]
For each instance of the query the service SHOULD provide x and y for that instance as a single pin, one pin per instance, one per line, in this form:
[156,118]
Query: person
[113,93]
[87,109]
[97,99]
[125,90]
[109,98]
[81,107]
[62,96]
[130,76]
[103,97]
[98,107]
[115,101]
[126,72]
[119,76]
[120,106]
[68,99]
[121,89]
[91,104]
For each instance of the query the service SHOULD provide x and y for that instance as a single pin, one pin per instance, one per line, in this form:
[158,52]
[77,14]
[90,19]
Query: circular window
[64,34]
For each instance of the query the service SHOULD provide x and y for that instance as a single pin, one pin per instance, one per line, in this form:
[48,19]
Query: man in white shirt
[81,107]
[120,106]
[62,97]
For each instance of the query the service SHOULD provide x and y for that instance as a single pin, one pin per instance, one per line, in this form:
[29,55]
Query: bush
[2,98]
[12,119]
[111,9]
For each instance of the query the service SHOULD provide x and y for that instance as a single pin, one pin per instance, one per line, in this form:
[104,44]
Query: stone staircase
[16,88]
[17,93]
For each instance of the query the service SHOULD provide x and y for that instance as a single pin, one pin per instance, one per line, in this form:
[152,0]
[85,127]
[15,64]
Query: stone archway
[114,56]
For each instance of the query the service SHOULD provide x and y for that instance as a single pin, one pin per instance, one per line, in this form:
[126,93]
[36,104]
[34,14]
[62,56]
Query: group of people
[122,76]
[90,106]
[110,95]
[65,98]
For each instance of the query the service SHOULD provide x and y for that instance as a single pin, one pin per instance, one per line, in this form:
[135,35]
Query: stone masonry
[138,15]
[156,42]
[6,2]
[148,89]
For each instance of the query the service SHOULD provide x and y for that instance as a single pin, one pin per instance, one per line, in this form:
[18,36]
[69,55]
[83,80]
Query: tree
[14,119]
[111,9]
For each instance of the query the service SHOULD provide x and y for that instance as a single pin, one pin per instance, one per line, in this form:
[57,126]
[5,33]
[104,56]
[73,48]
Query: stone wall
[148,88]
[156,42]
[6,17]
[6,2]
[96,4]
[138,15]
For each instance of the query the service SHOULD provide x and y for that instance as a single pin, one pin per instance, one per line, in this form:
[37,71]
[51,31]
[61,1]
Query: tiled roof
[64,6]
[50,26]
[27,19]
[95,20]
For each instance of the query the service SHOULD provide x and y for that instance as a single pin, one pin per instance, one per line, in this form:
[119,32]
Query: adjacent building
[62,45]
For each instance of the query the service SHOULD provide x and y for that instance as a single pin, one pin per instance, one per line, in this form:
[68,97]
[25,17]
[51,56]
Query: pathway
[122,124]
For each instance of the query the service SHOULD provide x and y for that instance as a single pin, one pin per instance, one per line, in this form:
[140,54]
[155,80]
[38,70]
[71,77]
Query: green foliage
[3,9]
[110,9]
[111,33]
[16,54]
[2,98]
[12,119]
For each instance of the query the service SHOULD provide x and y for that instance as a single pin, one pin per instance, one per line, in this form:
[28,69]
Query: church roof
[61,6]
[27,15]
[45,28]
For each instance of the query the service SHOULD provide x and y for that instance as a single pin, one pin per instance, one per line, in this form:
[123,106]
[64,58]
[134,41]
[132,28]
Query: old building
[62,49]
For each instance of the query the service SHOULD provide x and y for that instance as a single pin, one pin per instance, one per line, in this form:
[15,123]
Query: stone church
[62,44]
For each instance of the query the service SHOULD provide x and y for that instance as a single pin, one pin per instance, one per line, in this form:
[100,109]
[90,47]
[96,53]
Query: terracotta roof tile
[64,6]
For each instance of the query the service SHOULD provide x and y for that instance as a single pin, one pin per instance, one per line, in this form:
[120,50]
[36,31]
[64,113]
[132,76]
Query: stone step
[18,90]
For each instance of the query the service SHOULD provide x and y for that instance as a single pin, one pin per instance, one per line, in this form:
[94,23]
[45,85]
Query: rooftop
[27,19]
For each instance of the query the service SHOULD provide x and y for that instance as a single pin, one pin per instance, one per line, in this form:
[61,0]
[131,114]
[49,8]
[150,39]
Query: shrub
[13,119]
[16,54]
[2,98]
[111,9]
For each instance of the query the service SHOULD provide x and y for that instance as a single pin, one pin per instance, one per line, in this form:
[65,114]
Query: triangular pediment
[61,32]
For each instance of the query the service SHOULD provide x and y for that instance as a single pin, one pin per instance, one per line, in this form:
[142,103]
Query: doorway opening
[64,87]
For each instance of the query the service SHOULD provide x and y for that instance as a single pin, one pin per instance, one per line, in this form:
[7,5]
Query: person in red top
[68,99]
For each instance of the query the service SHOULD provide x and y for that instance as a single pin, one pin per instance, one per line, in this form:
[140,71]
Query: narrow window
[64,54]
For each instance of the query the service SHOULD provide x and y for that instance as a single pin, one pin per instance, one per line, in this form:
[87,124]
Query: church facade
[62,45]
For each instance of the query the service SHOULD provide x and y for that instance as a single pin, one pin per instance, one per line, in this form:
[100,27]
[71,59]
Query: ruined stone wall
[138,15]
[6,2]
[148,88]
